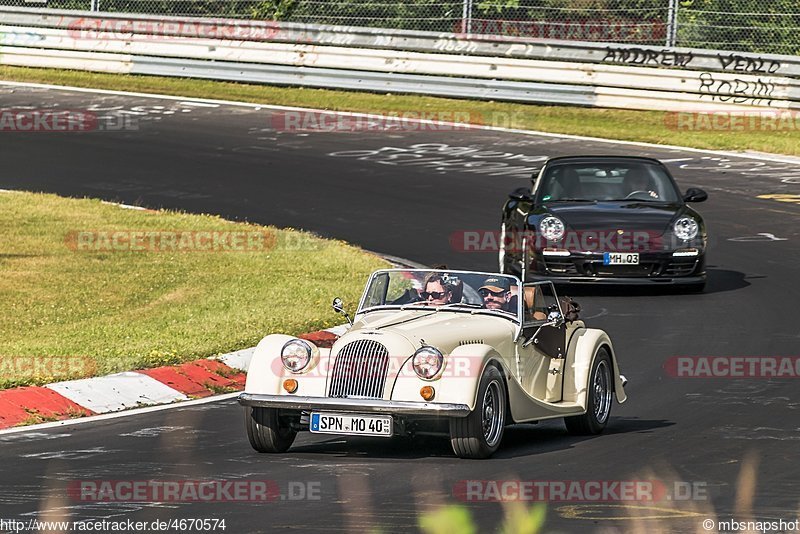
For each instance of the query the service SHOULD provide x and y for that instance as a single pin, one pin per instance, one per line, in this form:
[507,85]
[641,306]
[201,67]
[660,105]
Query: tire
[265,430]
[600,398]
[479,434]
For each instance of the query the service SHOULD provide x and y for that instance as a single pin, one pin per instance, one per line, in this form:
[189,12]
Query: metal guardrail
[418,41]
[553,72]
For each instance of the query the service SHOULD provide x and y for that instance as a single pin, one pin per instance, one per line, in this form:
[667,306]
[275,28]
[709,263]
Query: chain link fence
[741,25]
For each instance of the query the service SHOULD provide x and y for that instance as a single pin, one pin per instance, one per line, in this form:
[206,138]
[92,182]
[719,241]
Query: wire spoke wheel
[602,392]
[492,414]
[479,434]
[600,397]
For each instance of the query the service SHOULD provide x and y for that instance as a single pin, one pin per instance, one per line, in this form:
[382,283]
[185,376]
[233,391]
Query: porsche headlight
[296,355]
[552,228]
[427,362]
[685,228]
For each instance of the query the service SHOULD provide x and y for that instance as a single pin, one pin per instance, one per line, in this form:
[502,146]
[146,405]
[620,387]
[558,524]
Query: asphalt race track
[406,193]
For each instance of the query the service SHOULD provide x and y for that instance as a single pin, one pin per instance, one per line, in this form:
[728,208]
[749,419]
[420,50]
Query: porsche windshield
[590,182]
[431,289]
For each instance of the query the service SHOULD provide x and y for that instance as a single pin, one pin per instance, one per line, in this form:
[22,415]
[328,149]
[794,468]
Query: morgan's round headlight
[552,228]
[685,228]
[296,355]
[427,362]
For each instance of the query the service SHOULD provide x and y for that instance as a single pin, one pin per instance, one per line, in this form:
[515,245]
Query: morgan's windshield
[438,289]
[591,182]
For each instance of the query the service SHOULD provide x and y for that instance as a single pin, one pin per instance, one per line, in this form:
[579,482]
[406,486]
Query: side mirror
[553,319]
[694,194]
[338,307]
[521,194]
[572,309]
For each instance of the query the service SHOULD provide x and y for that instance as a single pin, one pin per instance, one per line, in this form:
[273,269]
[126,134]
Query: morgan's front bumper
[345,405]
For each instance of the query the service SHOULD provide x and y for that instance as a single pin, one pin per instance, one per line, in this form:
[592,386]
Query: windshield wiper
[572,200]
[418,305]
[464,304]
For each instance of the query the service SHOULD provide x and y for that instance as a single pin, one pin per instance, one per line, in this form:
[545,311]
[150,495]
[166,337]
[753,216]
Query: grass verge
[647,126]
[75,304]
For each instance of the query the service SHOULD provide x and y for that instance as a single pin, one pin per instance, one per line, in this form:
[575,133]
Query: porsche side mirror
[338,307]
[693,194]
[521,194]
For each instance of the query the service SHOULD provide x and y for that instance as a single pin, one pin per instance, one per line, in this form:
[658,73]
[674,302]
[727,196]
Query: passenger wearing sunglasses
[496,293]
[436,291]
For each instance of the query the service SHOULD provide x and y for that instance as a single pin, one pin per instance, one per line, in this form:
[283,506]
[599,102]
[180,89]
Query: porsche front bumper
[588,268]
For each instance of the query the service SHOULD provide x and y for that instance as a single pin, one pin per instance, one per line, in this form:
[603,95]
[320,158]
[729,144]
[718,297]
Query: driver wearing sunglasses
[496,293]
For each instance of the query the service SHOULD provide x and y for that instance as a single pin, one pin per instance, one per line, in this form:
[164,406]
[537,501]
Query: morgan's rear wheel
[600,397]
[479,434]
[266,431]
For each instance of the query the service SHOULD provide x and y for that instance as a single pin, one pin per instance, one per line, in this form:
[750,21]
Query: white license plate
[351,424]
[621,258]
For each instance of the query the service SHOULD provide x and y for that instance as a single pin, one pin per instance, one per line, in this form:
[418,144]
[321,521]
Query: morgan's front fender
[584,346]
[266,373]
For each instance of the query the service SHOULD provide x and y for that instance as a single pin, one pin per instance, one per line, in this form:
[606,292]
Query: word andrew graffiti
[644,56]
[737,90]
[671,58]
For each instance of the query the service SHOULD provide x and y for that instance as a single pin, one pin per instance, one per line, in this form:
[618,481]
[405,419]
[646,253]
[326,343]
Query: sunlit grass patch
[79,308]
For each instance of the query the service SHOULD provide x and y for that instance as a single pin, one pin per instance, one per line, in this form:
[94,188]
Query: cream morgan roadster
[452,352]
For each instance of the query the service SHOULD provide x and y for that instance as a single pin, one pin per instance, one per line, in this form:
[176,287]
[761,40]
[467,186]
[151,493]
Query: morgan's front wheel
[266,431]
[478,435]
[599,398]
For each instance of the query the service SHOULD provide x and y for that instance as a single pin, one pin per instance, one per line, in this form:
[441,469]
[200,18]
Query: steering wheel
[633,194]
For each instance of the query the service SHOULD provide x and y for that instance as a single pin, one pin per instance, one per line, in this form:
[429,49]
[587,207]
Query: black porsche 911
[605,219]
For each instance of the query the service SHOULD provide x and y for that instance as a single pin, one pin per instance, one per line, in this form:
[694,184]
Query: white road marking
[199,104]
[762,236]
[772,158]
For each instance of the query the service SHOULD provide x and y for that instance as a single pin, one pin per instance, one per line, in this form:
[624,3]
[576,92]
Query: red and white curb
[200,379]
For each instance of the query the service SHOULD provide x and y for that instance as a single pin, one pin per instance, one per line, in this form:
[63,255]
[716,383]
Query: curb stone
[202,378]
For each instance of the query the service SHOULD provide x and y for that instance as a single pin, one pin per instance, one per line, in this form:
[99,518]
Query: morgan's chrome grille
[360,370]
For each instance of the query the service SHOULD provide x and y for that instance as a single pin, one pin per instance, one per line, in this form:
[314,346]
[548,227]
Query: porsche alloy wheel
[266,431]
[479,434]
[599,399]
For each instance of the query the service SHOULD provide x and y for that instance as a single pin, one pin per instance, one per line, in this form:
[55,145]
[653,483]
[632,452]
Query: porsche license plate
[621,258]
[351,424]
